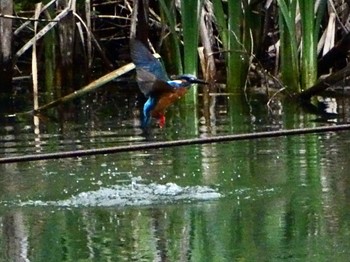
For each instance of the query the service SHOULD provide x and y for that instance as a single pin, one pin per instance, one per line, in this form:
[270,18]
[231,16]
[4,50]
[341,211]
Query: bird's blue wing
[143,58]
[150,85]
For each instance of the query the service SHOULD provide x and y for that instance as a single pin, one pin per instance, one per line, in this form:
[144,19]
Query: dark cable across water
[175,143]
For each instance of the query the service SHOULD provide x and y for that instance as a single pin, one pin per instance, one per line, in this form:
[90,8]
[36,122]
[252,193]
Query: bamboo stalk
[34,60]
[89,35]
[93,86]
[36,120]
[89,88]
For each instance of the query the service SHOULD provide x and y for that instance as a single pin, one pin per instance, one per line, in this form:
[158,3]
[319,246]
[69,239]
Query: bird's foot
[161,121]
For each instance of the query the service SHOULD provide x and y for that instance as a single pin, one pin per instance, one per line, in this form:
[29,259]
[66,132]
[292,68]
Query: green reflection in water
[285,199]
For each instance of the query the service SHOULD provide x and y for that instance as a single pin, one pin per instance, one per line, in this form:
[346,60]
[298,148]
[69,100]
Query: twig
[97,45]
[27,19]
[275,94]
[45,7]
[40,34]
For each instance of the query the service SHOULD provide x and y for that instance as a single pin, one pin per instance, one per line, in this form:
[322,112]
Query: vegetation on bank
[287,45]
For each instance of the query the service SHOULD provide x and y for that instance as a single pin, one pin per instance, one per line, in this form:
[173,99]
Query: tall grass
[288,44]
[309,43]
[182,54]
[299,26]
[238,24]
[232,37]
[173,54]
[235,51]
[184,40]
[190,19]
[293,25]
[299,69]
[311,17]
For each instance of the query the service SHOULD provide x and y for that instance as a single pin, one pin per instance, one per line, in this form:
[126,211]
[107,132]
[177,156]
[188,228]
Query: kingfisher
[155,84]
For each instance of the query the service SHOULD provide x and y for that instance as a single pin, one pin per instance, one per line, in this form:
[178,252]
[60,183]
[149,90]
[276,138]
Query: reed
[238,36]
[299,69]
[183,43]
[310,35]
[221,22]
[190,19]
[235,45]
[309,43]
[50,62]
[173,54]
[234,34]
[288,44]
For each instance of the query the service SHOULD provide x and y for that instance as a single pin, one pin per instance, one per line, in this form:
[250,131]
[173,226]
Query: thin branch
[97,45]
[45,7]
[40,34]
[14,17]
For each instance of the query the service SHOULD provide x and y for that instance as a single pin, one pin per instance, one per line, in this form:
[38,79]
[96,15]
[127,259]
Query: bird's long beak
[199,81]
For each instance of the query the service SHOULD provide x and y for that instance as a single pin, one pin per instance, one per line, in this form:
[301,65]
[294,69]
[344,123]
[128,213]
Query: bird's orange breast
[166,100]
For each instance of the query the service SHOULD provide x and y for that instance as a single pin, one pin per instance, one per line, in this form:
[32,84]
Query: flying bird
[154,83]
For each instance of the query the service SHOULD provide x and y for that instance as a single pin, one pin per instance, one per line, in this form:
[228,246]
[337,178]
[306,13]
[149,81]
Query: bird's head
[185,80]
[191,79]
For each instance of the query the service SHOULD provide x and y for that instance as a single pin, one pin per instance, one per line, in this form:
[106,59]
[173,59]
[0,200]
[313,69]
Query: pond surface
[274,199]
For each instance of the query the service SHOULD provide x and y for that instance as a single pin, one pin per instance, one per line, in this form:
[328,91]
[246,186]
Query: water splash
[134,194]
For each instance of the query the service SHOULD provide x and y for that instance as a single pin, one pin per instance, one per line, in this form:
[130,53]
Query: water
[275,199]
